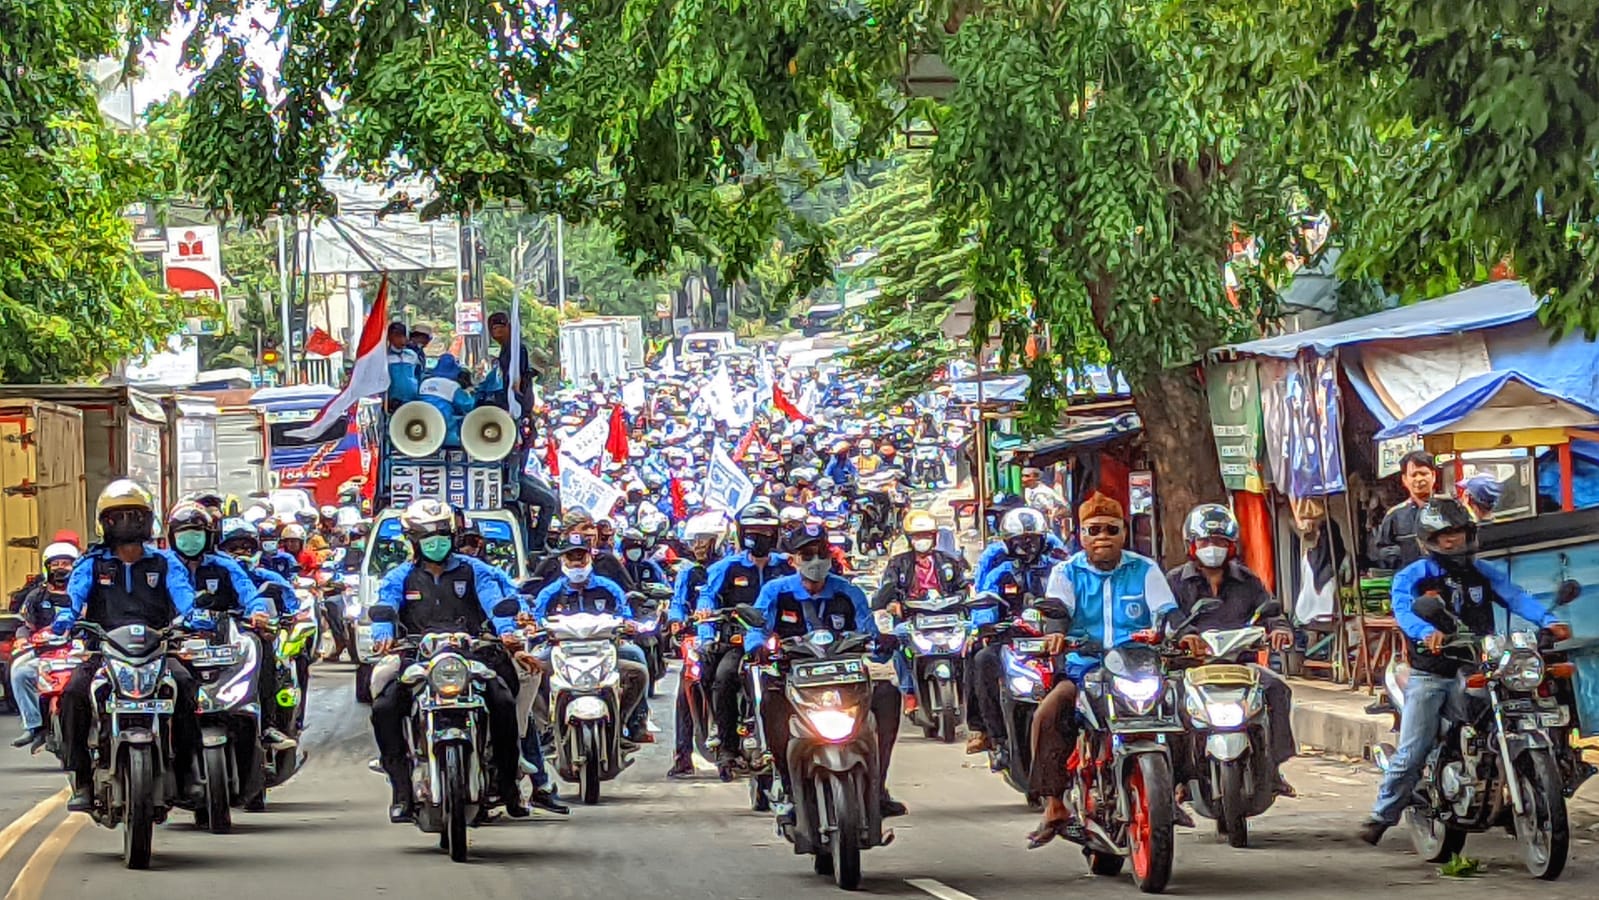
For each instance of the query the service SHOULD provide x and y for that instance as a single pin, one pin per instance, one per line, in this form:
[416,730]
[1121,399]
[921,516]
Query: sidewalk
[1331,718]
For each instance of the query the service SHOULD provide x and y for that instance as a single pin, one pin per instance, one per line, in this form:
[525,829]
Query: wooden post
[1568,500]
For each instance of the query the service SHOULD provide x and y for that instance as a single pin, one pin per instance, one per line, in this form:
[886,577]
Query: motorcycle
[927,464]
[1497,767]
[226,663]
[938,630]
[876,511]
[753,758]
[135,784]
[649,605]
[1027,674]
[832,753]
[10,624]
[448,735]
[339,606]
[58,657]
[1121,789]
[586,699]
[294,645]
[1224,703]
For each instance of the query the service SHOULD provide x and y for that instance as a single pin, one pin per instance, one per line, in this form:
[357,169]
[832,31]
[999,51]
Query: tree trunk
[1176,420]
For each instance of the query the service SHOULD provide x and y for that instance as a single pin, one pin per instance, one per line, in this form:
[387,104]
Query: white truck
[607,346]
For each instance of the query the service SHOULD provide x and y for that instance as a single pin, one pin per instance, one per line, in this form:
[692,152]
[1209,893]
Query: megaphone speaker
[416,429]
[488,434]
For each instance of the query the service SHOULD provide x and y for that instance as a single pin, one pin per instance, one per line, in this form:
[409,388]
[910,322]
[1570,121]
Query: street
[324,836]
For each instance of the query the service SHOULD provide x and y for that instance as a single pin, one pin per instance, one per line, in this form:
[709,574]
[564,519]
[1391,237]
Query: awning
[1081,435]
[1497,403]
[1499,303]
[1101,382]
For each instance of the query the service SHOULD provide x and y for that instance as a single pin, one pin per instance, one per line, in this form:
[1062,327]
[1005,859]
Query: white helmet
[60,550]
[293,531]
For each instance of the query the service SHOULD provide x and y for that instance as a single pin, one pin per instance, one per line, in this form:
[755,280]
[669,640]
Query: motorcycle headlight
[449,676]
[1139,692]
[922,642]
[136,681]
[1523,671]
[831,724]
[1218,709]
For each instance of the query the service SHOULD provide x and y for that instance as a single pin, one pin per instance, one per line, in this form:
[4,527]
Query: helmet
[427,517]
[238,537]
[791,515]
[920,521]
[1023,531]
[211,500]
[60,550]
[825,484]
[268,529]
[757,513]
[758,525]
[294,531]
[306,517]
[887,450]
[1443,514]
[1206,522]
[328,511]
[125,512]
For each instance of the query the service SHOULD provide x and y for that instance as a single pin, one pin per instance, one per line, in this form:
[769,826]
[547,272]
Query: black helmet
[758,527]
[804,535]
[191,516]
[1443,514]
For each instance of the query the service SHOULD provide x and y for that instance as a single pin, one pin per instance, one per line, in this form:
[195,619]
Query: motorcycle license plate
[584,648]
[946,620]
[225,655]
[138,706]
[927,453]
[839,671]
[1028,645]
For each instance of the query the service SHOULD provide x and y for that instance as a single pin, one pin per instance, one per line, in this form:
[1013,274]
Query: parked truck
[607,346]
[41,484]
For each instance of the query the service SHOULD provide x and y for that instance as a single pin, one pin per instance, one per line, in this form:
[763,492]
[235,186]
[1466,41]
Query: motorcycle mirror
[984,601]
[1270,610]
[750,615]
[1568,591]
[1430,609]
[1051,608]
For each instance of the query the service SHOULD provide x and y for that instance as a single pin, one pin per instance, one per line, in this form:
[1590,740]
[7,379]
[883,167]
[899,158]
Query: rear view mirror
[750,615]
[1271,609]
[1430,609]
[1568,591]
[1052,608]
[984,601]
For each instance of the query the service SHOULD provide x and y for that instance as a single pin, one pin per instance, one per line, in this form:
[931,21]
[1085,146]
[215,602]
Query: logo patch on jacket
[838,622]
[152,578]
[460,589]
[1476,593]
[211,585]
[1134,609]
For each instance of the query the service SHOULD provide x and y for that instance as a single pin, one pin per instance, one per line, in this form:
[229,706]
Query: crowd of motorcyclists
[1048,620]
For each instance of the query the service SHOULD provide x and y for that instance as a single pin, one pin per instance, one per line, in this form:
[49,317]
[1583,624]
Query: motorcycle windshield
[1133,661]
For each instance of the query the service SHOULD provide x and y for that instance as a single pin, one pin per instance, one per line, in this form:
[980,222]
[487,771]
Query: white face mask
[634,553]
[922,545]
[577,574]
[1211,557]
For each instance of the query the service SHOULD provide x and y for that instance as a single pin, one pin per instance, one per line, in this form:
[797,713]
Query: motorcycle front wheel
[1232,821]
[1544,832]
[844,813]
[1435,841]
[455,794]
[138,819]
[218,814]
[1150,834]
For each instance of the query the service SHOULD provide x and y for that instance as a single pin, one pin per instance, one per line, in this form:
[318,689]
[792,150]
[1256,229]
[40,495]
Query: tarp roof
[1101,382]
[1082,434]
[1499,303]
[1495,401]
[358,240]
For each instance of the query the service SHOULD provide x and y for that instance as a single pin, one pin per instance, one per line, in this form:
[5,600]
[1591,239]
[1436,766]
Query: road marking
[35,873]
[25,822]
[927,886]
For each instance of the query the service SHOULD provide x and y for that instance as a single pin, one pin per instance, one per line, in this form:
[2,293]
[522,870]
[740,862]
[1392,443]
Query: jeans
[25,690]
[1428,700]
[533,752]
[904,675]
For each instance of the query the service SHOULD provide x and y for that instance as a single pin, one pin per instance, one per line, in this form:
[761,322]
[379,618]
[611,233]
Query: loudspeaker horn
[488,434]
[416,429]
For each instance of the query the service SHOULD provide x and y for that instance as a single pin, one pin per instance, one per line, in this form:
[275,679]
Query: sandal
[1048,831]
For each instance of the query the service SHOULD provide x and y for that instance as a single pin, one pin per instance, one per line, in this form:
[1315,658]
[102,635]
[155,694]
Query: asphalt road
[325,836]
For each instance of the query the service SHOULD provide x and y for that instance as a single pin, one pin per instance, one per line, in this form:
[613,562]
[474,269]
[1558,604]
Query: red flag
[781,403]
[616,442]
[321,343]
[370,375]
[552,459]
[744,443]
[679,505]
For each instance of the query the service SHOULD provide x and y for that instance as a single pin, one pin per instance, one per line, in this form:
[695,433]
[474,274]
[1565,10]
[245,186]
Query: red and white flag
[369,377]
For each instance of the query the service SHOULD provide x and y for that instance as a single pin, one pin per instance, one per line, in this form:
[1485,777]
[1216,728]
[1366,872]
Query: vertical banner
[1299,402]
[1235,424]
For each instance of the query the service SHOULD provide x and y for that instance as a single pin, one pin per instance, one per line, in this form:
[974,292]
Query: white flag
[587,442]
[580,489]
[668,362]
[633,394]
[726,486]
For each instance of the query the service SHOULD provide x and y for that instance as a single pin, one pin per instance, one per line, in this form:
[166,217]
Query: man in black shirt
[530,492]
[1397,546]
[1213,570]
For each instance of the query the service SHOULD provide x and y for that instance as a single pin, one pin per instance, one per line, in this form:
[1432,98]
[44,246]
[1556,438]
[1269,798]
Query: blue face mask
[437,547]
[189,543]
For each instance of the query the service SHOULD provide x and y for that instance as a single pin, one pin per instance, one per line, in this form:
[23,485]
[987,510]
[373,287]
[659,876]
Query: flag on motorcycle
[368,378]
[679,505]
[552,458]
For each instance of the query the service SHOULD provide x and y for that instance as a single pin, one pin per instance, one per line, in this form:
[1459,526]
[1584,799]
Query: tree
[1446,137]
[73,302]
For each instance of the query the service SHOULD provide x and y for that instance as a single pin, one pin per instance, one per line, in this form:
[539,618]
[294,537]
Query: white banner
[587,442]
[667,364]
[633,394]
[718,394]
[742,410]
[726,486]
[580,489]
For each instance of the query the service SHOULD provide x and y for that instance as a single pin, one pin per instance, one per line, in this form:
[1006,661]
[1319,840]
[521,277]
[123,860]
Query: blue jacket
[251,601]
[1108,607]
[281,562]
[541,604]
[795,585]
[995,552]
[716,581]
[264,577]
[391,593]
[81,583]
[1010,582]
[841,470]
[686,591]
[644,571]
[451,400]
[1403,596]
[405,371]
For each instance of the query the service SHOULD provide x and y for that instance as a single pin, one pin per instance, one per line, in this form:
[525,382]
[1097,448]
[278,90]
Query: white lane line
[25,822]
[938,889]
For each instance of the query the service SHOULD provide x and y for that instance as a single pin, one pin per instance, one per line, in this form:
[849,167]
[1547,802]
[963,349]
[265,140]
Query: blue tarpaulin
[1495,401]
[1499,303]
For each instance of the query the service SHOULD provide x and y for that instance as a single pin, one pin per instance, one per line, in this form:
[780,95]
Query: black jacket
[1242,592]
[899,577]
[1396,537]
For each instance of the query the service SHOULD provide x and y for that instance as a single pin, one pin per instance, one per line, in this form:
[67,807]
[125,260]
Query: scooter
[832,754]
[1234,775]
[58,656]
[927,464]
[586,699]
[1027,673]
[649,605]
[938,630]
[296,641]
[135,783]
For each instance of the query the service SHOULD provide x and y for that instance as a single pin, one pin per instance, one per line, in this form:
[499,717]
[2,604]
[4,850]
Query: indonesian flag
[616,441]
[321,343]
[783,405]
[750,437]
[369,377]
[552,459]
[679,505]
